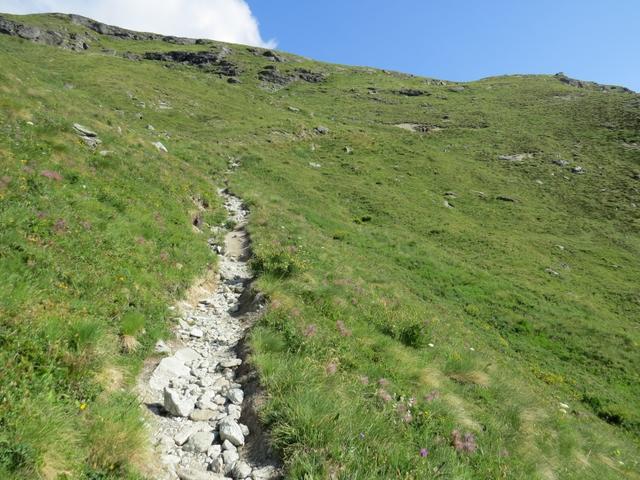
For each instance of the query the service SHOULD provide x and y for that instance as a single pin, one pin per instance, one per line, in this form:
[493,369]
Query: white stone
[199,442]
[162,347]
[230,458]
[236,396]
[176,404]
[168,369]
[214,451]
[230,430]
[245,429]
[196,332]
[264,473]
[234,411]
[183,435]
[195,474]
[234,362]
[84,130]
[187,355]
[227,445]
[160,147]
[202,415]
[241,470]
[170,459]
[217,464]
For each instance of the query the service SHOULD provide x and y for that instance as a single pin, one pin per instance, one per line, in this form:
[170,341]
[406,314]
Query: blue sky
[461,40]
[465,39]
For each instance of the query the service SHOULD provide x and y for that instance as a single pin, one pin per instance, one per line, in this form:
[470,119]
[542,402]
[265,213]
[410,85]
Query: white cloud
[225,20]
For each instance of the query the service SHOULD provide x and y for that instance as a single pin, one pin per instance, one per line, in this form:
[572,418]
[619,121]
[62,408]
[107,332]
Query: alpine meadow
[325,271]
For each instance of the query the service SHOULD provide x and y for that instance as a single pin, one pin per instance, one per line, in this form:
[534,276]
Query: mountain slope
[450,267]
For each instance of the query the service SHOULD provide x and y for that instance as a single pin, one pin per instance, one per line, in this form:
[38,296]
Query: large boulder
[168,369]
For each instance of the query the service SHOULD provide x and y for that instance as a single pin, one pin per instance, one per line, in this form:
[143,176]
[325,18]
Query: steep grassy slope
[436,311]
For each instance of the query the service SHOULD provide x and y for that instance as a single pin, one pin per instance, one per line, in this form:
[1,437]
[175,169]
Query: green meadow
[435,310]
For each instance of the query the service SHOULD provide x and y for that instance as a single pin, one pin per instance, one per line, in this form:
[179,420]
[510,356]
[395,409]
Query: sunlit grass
[404,339]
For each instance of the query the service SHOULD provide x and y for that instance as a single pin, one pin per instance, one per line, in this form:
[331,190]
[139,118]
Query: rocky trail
[201,394]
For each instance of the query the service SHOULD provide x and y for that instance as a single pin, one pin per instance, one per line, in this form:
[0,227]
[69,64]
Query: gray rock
[168,369]
[274,56]
[235,396]
[412,92]
[230,430]
[505,198]
[202,415]
[241,470]
[170,459]
[196,332]
[210,61]
[84,130]
[227,445]
[187,355]
[177,405]
[231,363]
[518,157]
[560,162]
[199,442]
[264,473]
[217,464]
[183,435]
[591,85]
[245,429]
[161,347]
[322,130]
[234,411]
[457,88]
[91,142]
[160,146]
[577,170]
[230,457]
[214,451]
[194,474]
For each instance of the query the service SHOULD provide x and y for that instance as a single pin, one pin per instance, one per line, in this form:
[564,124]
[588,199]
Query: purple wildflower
[432,396]
[384,395]
[310,331]
[342,328]
[331,368]
[424,452]
[52,175]
[463,443]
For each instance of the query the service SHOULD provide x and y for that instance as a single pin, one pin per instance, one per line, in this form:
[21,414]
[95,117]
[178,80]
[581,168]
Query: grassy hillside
[437,311]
